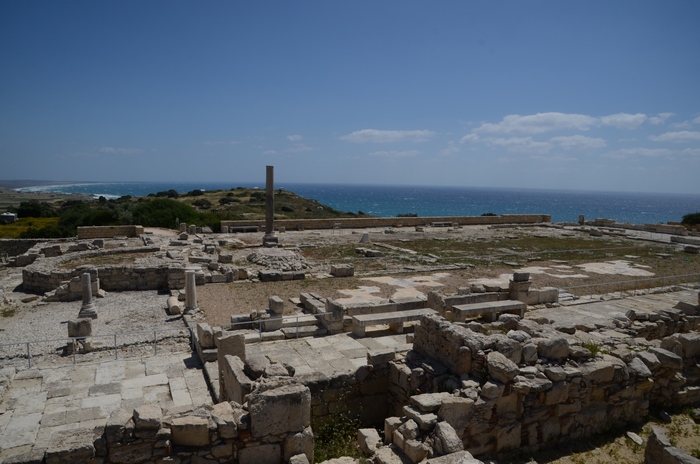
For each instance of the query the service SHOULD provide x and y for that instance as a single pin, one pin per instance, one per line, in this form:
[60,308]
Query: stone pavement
[600,312]
[40,402]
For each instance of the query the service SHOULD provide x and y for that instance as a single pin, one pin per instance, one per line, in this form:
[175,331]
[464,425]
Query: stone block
[429,402]
[280,410]
[276,305]
[205,335]
[68,446]
[222,415]
[501,368]
[130,453]
[235,384]
[369,440]
[148,416]
[378,358]
[390,425]
[80,328]
[190,431]
[556,348]
[299,443]
[445,439]
[261,454]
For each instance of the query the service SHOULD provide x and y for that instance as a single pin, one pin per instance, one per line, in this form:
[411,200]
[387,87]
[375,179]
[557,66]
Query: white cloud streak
[539,123]
[680,136]
[387,136]
[660,118]
[578,142]
[624,120]
[520,144]
[626,153]
[294,138]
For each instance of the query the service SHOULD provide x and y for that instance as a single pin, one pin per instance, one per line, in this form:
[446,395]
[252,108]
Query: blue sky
[533,94]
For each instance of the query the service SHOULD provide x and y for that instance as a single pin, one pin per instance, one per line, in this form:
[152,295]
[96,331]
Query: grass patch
[15,229]
[337,437]
[8,311]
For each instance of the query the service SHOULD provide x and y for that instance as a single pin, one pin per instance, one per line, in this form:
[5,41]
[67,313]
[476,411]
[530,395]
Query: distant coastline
[425,201]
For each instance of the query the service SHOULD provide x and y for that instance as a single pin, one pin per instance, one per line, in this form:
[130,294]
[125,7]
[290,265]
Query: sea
[426,201]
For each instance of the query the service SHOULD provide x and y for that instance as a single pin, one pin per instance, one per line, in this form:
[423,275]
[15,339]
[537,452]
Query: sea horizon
[426,201]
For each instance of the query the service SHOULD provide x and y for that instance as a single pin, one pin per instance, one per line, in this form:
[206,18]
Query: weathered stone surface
[660,451]
[70,446]
[369,440]
[80,328]
[148,416]
[301,443]
[409,430]
[429,402]
[222,414]
[445,440]
[425,421]
[205,335]
[280,410]
[598,371]
[262,454]
[649,359]
[691,344]
[235,384]
[255,366]
[457,412]
[667,359]
[128,454]
[460,457]
[501,368]
[556,348]
[116,424]
[190,431]
[299,459]
[415,450]
[638,368]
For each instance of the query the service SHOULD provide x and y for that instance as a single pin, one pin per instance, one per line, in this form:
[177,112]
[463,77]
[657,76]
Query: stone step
[490,309]
[301,321]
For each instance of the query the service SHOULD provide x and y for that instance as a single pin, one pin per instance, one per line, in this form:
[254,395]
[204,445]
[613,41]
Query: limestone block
[558,394]
[68,447]
[148,416]
[262,454]
[299,443]
[369,440]
[509,436]
[379,358]
[460,457]
[456,411]
[425,421]
[116,425]
[501,368]
[511,349]
[649,359]
[235,384]
[222,414]
[255,366]
[190,431]
[429,402]
[598,371]
[638,368]
[280,410]
[299,459]
[232,344]
[127,454]
[691,344]
[667,359]
[556,348]
[390,425]
[276,305]
[81,327]
[492,390]
[409,430]
[205,335]
[415,450]
[445,439]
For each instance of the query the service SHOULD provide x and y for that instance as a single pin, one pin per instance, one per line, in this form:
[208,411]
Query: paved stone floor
[41,401]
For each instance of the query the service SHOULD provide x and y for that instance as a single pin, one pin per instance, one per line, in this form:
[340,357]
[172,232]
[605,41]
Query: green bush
[336,438]
[691,219]
[35,209]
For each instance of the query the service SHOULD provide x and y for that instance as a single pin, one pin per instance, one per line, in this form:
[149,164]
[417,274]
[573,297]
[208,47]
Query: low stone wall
[19,246]
[361,223]
[46,274]
[534,386]
[89,232]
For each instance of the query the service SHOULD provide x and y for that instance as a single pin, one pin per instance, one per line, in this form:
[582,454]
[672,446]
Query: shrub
[202,203]
[489,214]
[35,209]
[407,215]
[691,219]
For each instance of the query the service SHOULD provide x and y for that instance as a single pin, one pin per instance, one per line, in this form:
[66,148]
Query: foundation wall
[360,223]
[16,247]
[528,395]
[89,232]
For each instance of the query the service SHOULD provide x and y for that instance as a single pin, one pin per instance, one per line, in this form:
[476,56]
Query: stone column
[183,227]
[88,307]
[190,292]
[270,238]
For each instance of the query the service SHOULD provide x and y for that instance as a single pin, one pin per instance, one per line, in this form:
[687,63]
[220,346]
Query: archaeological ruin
[493,368]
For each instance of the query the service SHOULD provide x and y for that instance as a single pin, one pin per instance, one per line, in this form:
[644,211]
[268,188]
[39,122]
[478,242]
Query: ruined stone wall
[47,274]
[360,223]
[16,247]
[535,386]
[89,232]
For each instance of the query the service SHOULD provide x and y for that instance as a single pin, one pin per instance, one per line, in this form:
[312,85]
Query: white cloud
[520,144]
[395,154]
[294,138]
[680,136]
[120,151]
[269,152]
[624,120]
[691,151]
[450,150]
[660,118]
[469,138]
[626,153]
[578,142]
[539,123]
[386,136]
